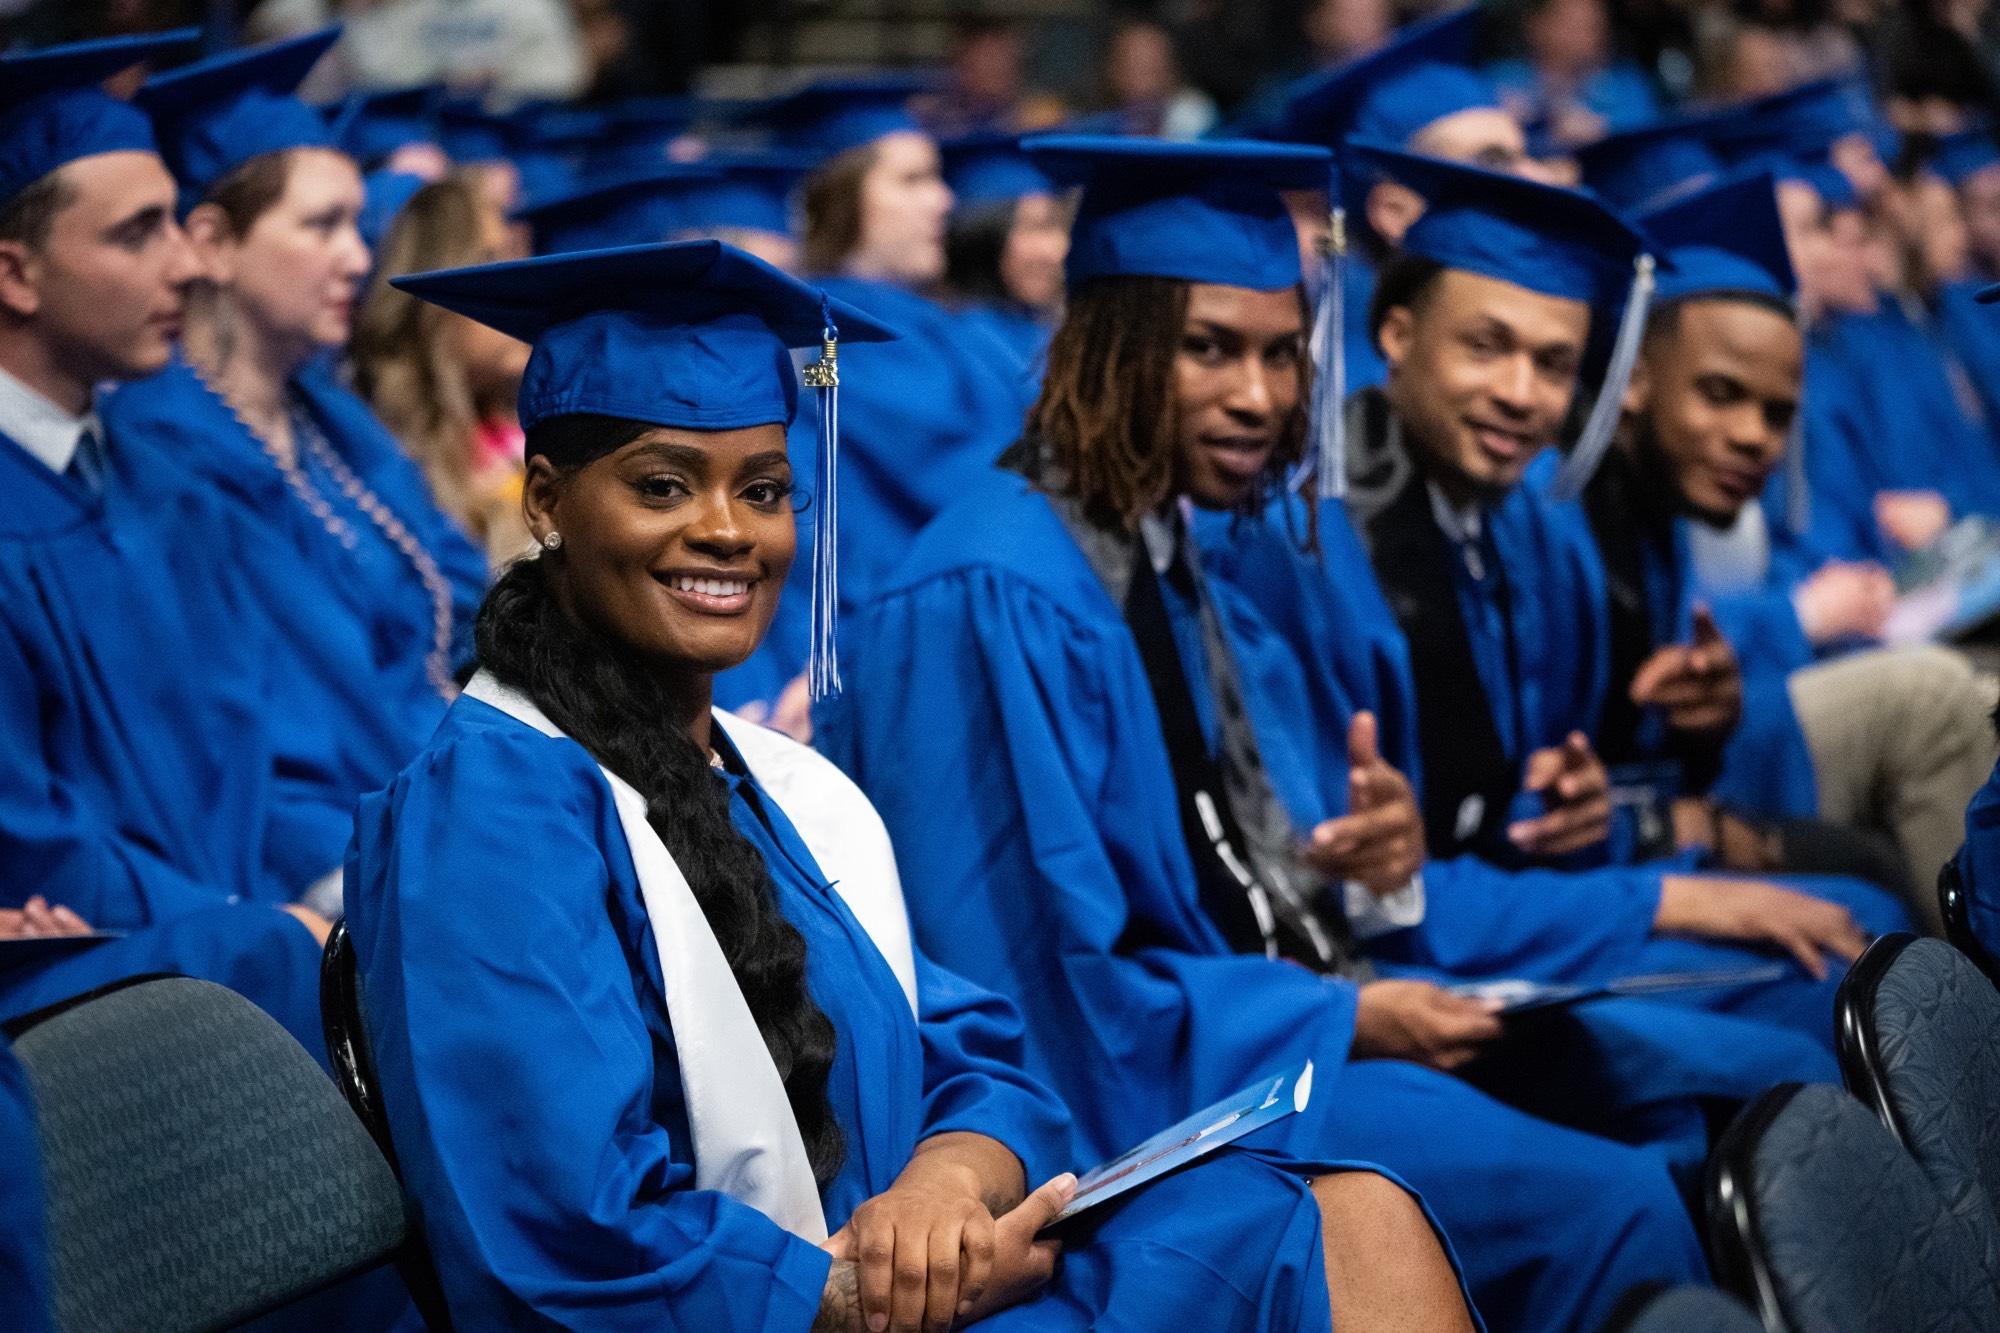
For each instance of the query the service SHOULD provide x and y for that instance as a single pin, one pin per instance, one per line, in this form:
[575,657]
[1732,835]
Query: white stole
[746,1140]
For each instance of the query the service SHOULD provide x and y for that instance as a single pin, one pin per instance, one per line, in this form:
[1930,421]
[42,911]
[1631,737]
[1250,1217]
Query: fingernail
[965,1307]
[878,1322]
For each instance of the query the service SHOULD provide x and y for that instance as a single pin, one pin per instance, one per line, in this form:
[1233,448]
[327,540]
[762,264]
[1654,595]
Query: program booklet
[1524,997]
[35,948]
[1193,1138]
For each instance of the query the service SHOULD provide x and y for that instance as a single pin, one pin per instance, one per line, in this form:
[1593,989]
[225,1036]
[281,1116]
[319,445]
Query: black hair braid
[612,705]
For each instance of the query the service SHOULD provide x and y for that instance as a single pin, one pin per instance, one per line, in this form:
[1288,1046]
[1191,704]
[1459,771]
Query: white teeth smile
[713,587]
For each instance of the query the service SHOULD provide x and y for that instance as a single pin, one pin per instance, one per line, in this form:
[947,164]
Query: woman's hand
[925,1247]
[1379,842]
[1736,909]
[39,918]
[1420,1022]
[1022,1265]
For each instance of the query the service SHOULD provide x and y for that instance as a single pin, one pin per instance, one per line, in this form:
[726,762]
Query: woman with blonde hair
[443,383]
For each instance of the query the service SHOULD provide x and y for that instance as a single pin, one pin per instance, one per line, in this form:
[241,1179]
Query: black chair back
[354,1072]
[1952,902]
[1822,1223]
[1920,1046]
[199,1171]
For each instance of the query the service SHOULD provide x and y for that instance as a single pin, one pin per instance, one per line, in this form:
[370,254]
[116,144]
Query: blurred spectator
[1144,92]
[442,383]
[987,88]
[510,49]
[1570,78]
[1931,68]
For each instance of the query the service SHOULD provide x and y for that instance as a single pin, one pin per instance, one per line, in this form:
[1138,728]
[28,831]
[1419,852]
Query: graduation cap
[369,127]
[1638,166]
[384,194]
[831,116]
[1802,122]
[1961,156]
[53,112]
[746,191]
[216,114]
[627,209]
[1559,242]
[991,168]
[1726,239]
[693,334]
[1202,212]
[1421,75]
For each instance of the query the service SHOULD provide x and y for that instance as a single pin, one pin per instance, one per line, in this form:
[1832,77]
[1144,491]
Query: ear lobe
[19,270]
[208,231]
[1638,389]
[1397,332]
[1392,210]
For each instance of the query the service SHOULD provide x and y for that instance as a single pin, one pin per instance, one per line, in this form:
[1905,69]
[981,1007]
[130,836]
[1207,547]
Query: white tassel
[1330,358]
[1581,465]
[823,656]
[1798,491]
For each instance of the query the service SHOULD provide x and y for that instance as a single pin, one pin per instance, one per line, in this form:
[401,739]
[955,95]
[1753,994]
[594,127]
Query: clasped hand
[1697,684]
[928,1255]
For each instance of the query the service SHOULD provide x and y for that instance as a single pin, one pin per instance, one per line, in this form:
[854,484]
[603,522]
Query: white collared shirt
[41,427]
[1462,526]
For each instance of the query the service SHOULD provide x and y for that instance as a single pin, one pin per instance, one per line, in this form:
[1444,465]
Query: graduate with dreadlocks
[1049,668]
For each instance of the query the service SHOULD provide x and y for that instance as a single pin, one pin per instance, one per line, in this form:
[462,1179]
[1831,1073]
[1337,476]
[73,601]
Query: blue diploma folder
[1193,1138]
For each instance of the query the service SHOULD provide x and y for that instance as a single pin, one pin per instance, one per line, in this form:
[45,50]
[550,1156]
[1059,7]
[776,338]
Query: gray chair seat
[1685,1310]
[1822,1221]
[1919,1029]
[201,1169]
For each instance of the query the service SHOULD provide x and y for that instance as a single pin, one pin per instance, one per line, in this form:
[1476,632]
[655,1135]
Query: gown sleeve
[517,1065]
[1060,878]
[973,1051]
[55,841]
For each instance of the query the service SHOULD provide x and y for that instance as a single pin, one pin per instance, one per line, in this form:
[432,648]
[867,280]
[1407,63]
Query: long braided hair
[611,703]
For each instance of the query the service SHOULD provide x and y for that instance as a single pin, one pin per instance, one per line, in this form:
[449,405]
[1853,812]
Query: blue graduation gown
[1979,864]
[1339,649]
[25,1298]
[513,998]
[997,681]
[1017,329]
[351,624]
[135,766]
[921,418]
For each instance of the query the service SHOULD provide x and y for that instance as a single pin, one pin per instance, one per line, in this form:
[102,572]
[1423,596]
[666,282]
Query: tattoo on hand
[840,1301]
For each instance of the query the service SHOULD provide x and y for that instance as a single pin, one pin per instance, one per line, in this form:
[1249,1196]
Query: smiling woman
[681,939]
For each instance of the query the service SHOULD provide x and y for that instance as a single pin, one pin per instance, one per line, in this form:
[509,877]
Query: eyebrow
[696,458]
[143,220]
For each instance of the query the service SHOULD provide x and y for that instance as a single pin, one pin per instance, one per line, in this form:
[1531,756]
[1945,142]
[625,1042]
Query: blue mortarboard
[830,116]
[1726,238]
[385,194]
[695,335]
[1826,180]
[53,112]
[216,114]
[991,169]
[627,209]
[1559,242]
[1641,165]
[1961,156]
[1421,75]
[471,133]
[1802,122]
[750,191]
[1563,243]
[368,127]
[1202,212]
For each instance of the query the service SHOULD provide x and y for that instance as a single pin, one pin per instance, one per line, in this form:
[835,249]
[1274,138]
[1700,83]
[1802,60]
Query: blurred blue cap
[216,114]
[53,112]
[1565,243]
[1727,238]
